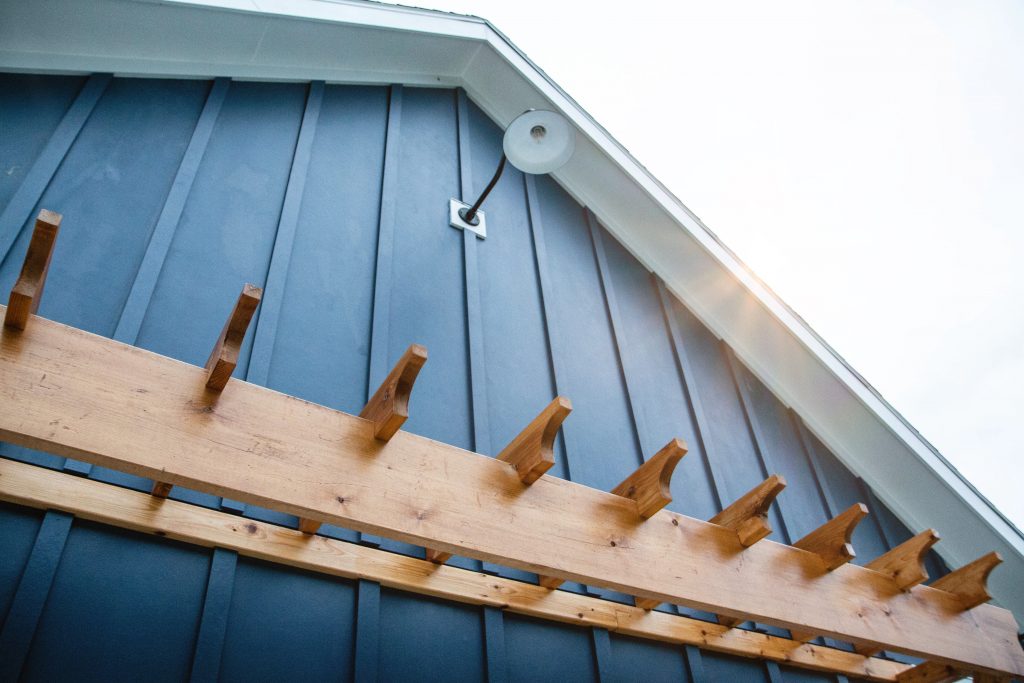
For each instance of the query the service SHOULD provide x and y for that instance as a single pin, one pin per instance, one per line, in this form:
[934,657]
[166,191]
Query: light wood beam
[264,448]
[28,288]
[44,489]
[932,672]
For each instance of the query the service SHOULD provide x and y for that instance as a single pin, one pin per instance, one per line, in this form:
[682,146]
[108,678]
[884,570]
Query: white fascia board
[359,42]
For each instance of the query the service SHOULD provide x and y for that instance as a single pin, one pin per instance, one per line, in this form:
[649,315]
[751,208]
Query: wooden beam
[905,562]
[969,582]
[88,499]
[831,541]
[437,556]
[265,448]
[646,604]
[649,485]
[748,516]
[224,356]
[28,288]
[388,408]
[531,453]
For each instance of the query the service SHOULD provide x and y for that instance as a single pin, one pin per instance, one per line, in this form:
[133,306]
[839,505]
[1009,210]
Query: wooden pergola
[97,400]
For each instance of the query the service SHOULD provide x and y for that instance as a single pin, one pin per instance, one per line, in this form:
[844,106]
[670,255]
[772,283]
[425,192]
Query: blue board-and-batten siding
[334,198]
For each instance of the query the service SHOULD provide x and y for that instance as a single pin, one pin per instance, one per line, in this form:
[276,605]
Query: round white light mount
[539,141]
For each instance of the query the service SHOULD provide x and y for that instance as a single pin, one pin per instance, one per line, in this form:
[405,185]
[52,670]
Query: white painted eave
[361,42]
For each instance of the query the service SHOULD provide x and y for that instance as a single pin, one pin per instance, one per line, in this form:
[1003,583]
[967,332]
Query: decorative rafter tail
[646,603]
[729,622]
[905,562]
[649,484]
[551,582]
[531,453]
[831,541]
[388,408]
[969,582]
[748,516]
[224,357]
[28,288]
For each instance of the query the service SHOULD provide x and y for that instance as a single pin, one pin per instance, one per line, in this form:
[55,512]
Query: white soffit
[360,42]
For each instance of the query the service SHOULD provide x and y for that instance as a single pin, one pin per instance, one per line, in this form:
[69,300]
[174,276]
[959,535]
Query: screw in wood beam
[831,541]
[905,562]
[931,672]
[748,516]
[224,356]
[649,484]
[531,453]
[388,408]
[969,582]
[28,289]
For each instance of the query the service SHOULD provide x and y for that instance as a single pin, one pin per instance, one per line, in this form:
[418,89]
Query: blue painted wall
[334,198]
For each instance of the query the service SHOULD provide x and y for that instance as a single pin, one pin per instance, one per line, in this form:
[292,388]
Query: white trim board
[359,42]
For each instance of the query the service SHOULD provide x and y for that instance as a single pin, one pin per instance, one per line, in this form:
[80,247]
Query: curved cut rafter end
[831,541]
[969,582]
[388,408]
[531,453]
[905,562]
[748,516]
[649,485]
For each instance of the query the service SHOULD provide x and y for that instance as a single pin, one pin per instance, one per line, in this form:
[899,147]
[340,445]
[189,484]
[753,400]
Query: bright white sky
[866,159]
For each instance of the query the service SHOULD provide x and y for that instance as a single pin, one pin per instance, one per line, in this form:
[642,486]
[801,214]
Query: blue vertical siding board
[719,667]
[213,624]
[514,375]
[33,589]
[141,293]
[280,258]
[649,660]
[321,347]
[603,656]
[427,303]
[19,528]
[366,658]
[269,312]
[494,641]
[18,212]
[123,606]
[556,346]
[600,422]
[385,262]
[110,186]
[694,664]
[474,322]
[427,639]
[626,363]
[31,108]
[548,651]
[288,625]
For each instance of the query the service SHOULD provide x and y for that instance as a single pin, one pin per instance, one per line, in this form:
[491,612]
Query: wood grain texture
[969,582]
[905,562]
[831,541]
[748,516]
[388,408]
[28,288]
[88,499]
[224,356]
[531,453]
[276,451]
[649,485]
[932,672]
